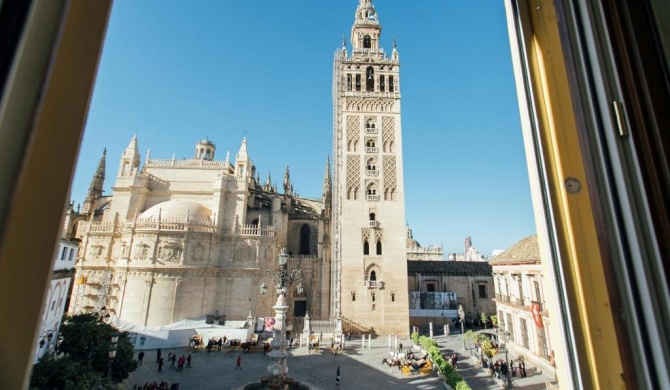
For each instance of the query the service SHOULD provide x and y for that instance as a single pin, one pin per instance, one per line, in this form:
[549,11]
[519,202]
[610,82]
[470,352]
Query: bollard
[431,329]
[446,332]
[363,342]
[370,341]
[396,342]
[389,341]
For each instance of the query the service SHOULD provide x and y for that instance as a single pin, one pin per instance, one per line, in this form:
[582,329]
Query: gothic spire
[97,183]
[327,182]
[287,182]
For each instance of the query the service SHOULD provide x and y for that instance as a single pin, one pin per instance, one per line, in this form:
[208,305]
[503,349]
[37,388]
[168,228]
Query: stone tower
[369,270]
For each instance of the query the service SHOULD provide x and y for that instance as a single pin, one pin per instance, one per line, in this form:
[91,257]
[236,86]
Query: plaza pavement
[361,369]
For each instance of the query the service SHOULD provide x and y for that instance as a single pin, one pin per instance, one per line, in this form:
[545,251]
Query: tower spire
[327,181]
[288,188]
[95,188]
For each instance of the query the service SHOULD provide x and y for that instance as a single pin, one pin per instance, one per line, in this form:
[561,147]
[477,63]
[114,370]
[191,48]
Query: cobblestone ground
[360,369]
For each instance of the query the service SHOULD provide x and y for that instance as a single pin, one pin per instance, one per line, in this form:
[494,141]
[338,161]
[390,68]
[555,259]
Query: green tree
[85,344]
[494,321]
[485,319]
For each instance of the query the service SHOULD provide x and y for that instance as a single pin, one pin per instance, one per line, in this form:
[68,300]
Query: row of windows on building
[371,146]
[355,82]
[67,254]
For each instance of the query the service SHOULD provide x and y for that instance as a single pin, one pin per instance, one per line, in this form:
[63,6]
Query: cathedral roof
[450,268]
[178,210]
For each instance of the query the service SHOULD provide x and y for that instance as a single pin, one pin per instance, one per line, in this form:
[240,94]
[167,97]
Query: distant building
[519,298]
[436,288]
[470,253]
[57,297]
[416,252]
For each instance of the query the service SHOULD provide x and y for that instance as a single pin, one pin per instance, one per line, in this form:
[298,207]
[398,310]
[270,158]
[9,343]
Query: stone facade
[436,288]
[188,238]
[369,273]
[521,307]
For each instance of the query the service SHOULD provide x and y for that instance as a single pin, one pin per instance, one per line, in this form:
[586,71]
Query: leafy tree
[85,344]
[485,319]
[61,373]
[494,321]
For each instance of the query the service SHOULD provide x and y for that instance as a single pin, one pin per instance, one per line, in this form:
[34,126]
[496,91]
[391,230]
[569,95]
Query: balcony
[374,224]
[371,172]
[374,284]
[540,304]
[371,149]
[371,131]
[374,198]
[502,298]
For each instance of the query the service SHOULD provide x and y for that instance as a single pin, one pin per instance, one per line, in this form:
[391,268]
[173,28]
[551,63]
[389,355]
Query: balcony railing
[370,172]
[372,197]
[502,298]
[371,149]
[374,284]
[517,301]
[371,131]
[374,224]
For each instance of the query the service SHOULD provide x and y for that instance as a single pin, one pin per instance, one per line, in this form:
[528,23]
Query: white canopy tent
[178,334]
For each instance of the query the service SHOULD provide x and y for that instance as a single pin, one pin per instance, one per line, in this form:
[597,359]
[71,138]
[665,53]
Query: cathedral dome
[178,210]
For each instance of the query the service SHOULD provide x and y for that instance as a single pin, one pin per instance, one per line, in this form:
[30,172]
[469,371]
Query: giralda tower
[370,262]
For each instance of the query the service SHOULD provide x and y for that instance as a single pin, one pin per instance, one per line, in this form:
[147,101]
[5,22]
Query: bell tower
[369,256]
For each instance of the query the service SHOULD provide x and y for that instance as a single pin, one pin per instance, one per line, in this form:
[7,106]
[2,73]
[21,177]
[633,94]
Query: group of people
[500,369]
[172,358]
[157,386]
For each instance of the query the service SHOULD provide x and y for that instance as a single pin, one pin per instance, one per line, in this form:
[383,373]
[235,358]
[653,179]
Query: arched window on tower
[373,276]
[391,84]
[379,248]
[372,216]
[304,239]
[369,79]
[366,248]
[358,82]
[382,83]
[367,41]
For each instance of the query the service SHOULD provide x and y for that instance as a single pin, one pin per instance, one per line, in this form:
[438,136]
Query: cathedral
[201,237]
[196,237]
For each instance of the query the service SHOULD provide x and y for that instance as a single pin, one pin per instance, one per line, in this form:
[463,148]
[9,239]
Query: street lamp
[114,340]
[506,336]
[461,315]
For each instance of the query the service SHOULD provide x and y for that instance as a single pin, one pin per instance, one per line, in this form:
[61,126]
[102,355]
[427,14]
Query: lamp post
[461,315]
[506,336]
[114,340]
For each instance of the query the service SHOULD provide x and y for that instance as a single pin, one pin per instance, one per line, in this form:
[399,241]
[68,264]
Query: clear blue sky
[175,72]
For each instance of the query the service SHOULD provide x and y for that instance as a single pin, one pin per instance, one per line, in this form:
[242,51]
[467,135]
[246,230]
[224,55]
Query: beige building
[416,252]
[520,303]
[369,252]
[436,288]
[195,237]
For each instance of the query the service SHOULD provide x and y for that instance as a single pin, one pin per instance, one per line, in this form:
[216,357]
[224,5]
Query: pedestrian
[337,376]
[180,365]
[158,355]
[348,336]
[160,364]
[455,360]
[140,357]
[400,347]
[239,362]
[188,361]
[172,360]
[522,368]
